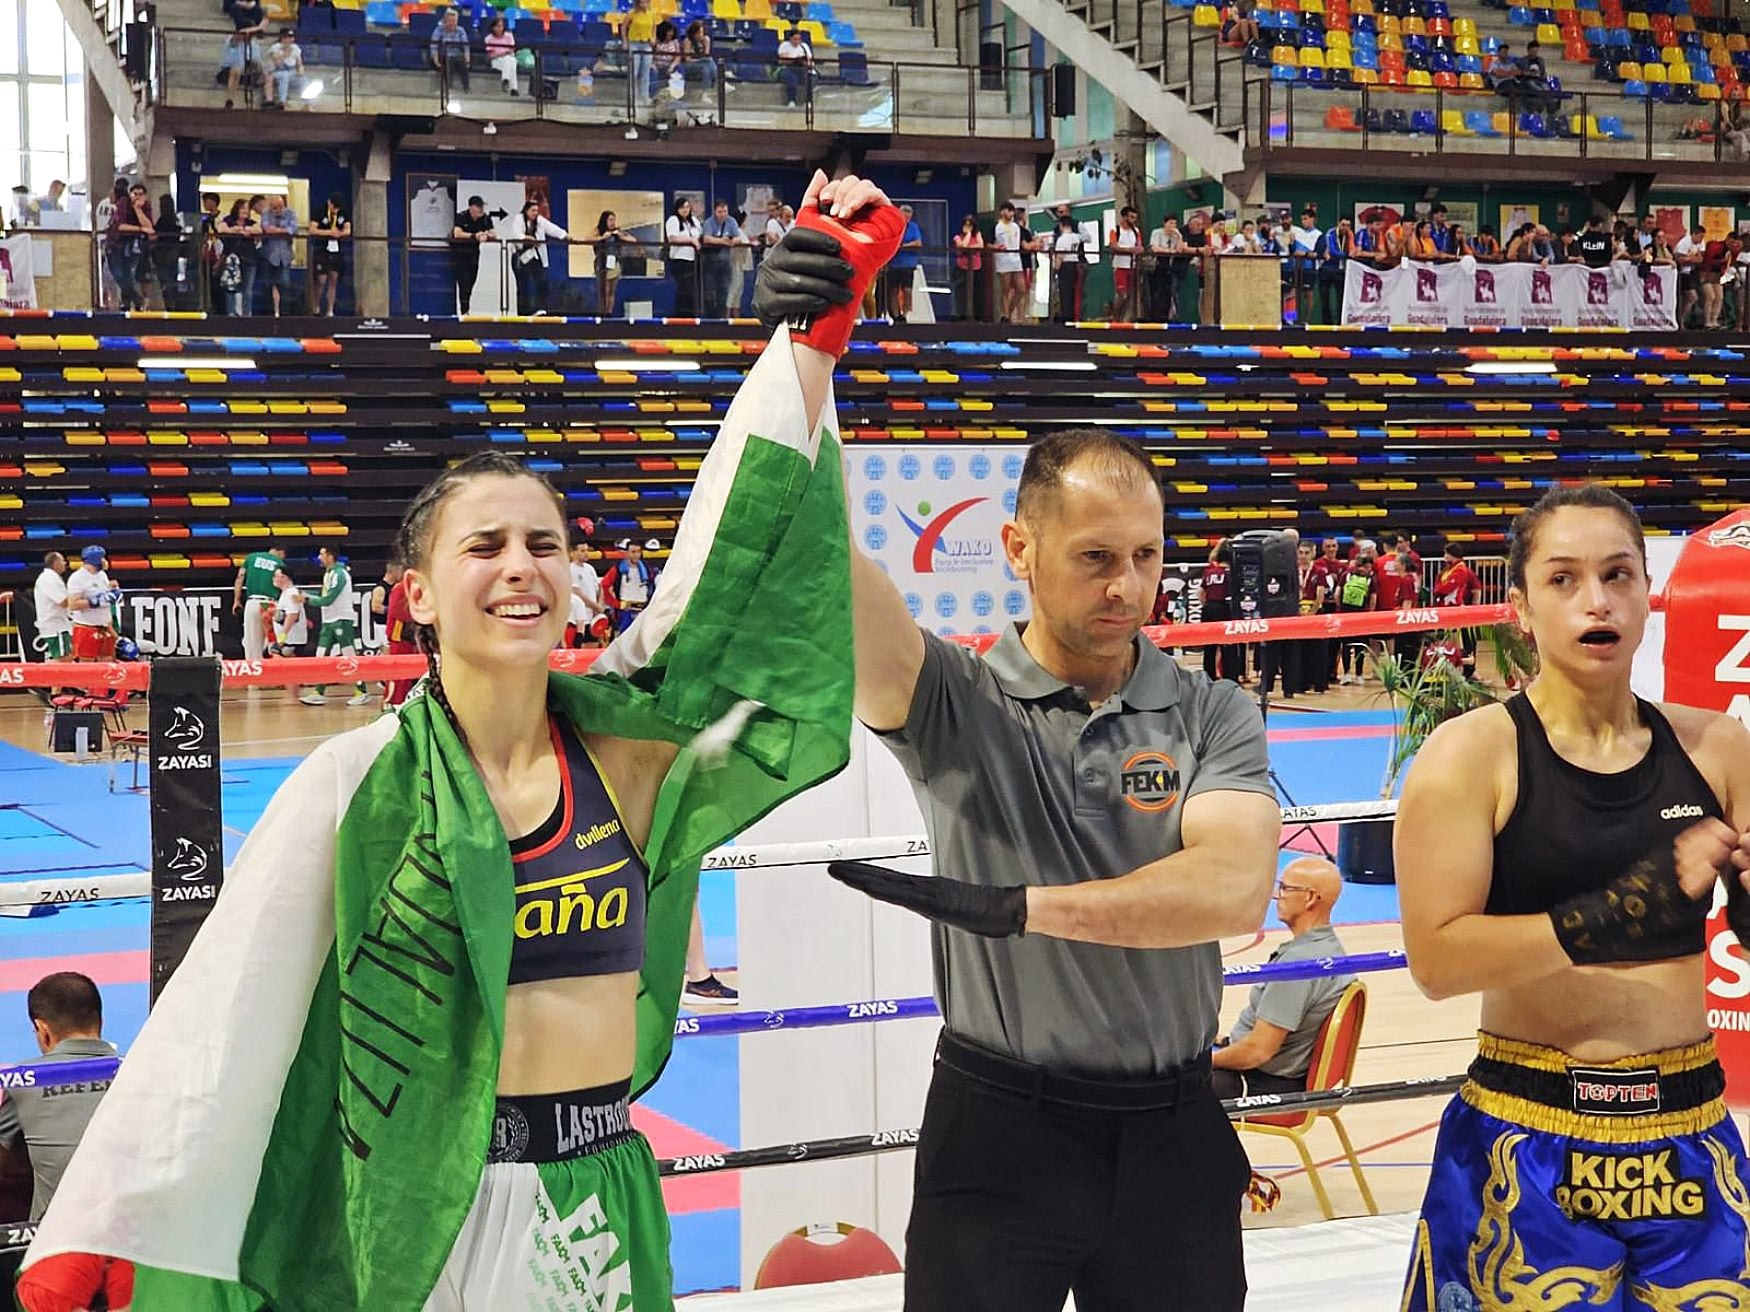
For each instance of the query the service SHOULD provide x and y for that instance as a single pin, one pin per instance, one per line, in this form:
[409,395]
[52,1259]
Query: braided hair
[413,539]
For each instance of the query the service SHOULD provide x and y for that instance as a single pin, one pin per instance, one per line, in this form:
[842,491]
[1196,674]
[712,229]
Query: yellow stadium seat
[1366,77]
[1591,18]
[1206,16]
[1464,27]
[1673,55]
[756,11]
[1549,34]
[728,10]
[816,32]
[1337,41]
[1312,57]
[1361,6]
[1707,91]
[1685,23]
[1466,45]
[1712,41]
[1452,123]
[1501,121]
[1393,42]
[1285,55]
[1387,23]
[1652,72]
[1737,42]
[1338,59]
[1678,75]
[1637,21]
[1628,71]
[1471,81]
[1419,77]
[1414,25]
[1312,6]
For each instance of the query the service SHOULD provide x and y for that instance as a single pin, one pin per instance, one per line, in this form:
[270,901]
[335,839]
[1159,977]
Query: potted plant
[1424,695]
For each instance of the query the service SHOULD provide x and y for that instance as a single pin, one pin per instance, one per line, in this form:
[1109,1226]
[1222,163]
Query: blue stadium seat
[854,68]
[349,22]
[1636,88]
[405,52]
[1312,39]
[1396,120]
[1533,125]
[1365,59]
[370,52]
[530,32]
[420,25]
[315,18]
[1422,122]
[1611,126]
[383,13]
[1470,64]
[1363,25]
[1519,16]
[1480,122]
[843,33]
[1284,73]
[818,11]
[1372,120]
[1490,44]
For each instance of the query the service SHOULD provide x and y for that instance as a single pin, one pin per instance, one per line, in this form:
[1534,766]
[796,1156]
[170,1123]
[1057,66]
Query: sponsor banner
[200,622]
[17,273]
[188,853]
[932,518]
[1466,294]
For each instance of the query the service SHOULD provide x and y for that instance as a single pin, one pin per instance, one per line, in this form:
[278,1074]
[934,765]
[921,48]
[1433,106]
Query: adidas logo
[1682,813]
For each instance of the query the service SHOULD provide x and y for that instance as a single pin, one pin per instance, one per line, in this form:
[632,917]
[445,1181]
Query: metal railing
[594,83]
[1283,115]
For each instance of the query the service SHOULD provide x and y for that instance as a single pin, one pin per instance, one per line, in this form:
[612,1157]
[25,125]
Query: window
[42,97]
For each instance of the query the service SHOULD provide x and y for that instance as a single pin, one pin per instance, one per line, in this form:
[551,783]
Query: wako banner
[932,518]
[1466,294]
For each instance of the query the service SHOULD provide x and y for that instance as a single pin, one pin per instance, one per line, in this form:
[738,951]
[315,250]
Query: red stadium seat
[818,1254]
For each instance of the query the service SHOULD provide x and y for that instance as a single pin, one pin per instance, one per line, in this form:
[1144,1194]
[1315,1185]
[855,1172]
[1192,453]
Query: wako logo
[1149,781]
[933,548]
[874,469]
[1736,536]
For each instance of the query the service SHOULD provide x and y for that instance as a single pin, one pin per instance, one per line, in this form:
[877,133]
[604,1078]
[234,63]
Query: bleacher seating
[179,471]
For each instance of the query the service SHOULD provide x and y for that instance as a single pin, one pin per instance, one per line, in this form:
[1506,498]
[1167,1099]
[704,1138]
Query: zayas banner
[932,518]
[1468,294]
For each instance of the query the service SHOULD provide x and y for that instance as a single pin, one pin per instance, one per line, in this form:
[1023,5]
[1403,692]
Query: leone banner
[1466,294]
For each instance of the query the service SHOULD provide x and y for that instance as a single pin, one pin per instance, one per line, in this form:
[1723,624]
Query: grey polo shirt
[1299,1006]
[1022,782]
[51,1121]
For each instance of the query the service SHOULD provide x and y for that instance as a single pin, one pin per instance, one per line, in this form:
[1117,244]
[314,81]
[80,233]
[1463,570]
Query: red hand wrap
[868,241]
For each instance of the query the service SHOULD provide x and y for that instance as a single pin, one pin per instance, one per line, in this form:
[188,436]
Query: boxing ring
[872,959]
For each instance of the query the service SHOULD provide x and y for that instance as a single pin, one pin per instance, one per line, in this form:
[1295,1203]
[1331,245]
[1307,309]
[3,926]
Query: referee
[1099,818]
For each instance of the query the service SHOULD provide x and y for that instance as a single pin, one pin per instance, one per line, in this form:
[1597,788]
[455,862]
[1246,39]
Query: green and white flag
[303,1120]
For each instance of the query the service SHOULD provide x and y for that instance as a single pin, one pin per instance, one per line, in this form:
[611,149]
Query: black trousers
[1018,1203]
[1227,661]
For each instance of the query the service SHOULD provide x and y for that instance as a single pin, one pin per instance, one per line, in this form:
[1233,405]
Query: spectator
[54,626]
[1735,129]
[630,584]
[1717,259]
[1422,244]
[1519,244]
[46,1124]
[1485,247]
[1399,582]
[167,253]
[338,635]
[472,230]
[1308,661]
[501,55]
[327,255]
[1226,660]
[1189,297]
[1659,253]
[1270,1046]
[54,200]
[774,229]
[1741,281]
[248,21]
[587,605]
[278,227]
[1533,88]
[968,264]
[681,250]
[1237,27]
[796,67]
[253,594]
[91,599]
[212,254]
[1245,241]
[398,630]
[1595,244]
[1360,592]
[697,63]
[1458,243]
[129,239]
[901,269]
[610,243]
[449,52]
[291,623]
[1458,585]
[1331,565]
[1441,229]
[1502,70]
[1372,246]
[721,234]
[530,232]
[1165,246]
[1067,264]
[1541,247]
[740,265]
[285,65]
[1644,235]
[1126,243]
[1333,252]
[1011,278]
[639,32]
[238,233]
[1689,252]
[665,54]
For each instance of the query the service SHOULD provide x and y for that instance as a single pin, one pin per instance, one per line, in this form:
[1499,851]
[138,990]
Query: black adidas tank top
[580,882]
[1573,830]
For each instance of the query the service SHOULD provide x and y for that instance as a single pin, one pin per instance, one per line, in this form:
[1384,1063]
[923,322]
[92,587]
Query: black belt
[1165,1092]
[1603,1091]
[560,1127]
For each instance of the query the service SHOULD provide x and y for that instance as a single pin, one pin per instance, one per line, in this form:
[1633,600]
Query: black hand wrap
[992,912]
[1641,915]
[802,276]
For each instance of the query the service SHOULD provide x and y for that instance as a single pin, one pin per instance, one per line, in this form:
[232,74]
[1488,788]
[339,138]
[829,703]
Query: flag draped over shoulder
[303,1121]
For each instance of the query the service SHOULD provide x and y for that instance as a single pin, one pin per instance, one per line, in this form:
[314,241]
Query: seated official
[1272,1041]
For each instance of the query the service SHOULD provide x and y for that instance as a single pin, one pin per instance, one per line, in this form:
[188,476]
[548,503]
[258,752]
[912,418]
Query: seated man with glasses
[1272,1040]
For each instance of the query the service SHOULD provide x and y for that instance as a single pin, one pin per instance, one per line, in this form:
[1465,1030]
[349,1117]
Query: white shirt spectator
[285,58]
[1007,240]
[1124,239]
[586,583]
[544,230]
[1304,240]
[788,49]
[1686,245]
[1240,244]
[52,619]
[1066,248]
[290,624]
[675,230]
[84,587]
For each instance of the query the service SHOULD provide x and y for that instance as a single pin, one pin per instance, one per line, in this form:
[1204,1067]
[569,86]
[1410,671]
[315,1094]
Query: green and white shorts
[55,646]
[569,1216]
[336,637]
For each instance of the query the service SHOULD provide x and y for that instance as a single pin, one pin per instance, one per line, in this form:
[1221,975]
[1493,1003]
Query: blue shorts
[237,54]
[1560,1184]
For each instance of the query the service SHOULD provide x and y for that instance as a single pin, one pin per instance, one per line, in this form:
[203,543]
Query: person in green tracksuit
[253,590]
[339,632]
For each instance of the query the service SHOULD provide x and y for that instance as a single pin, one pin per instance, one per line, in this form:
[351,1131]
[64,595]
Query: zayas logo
[187,730]
[188,862]
[1149,782]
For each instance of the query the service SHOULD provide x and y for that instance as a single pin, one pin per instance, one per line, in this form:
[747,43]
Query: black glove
[1641,915]
[801,276]
[992,912]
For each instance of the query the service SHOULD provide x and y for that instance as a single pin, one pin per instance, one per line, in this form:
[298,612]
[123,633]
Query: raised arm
[820,269]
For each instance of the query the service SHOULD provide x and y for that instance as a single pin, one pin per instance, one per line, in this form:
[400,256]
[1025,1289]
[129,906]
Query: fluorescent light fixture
[195,362]
[643,366]
[1052,366]
[1511,367]
[312,89]
[264,182]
